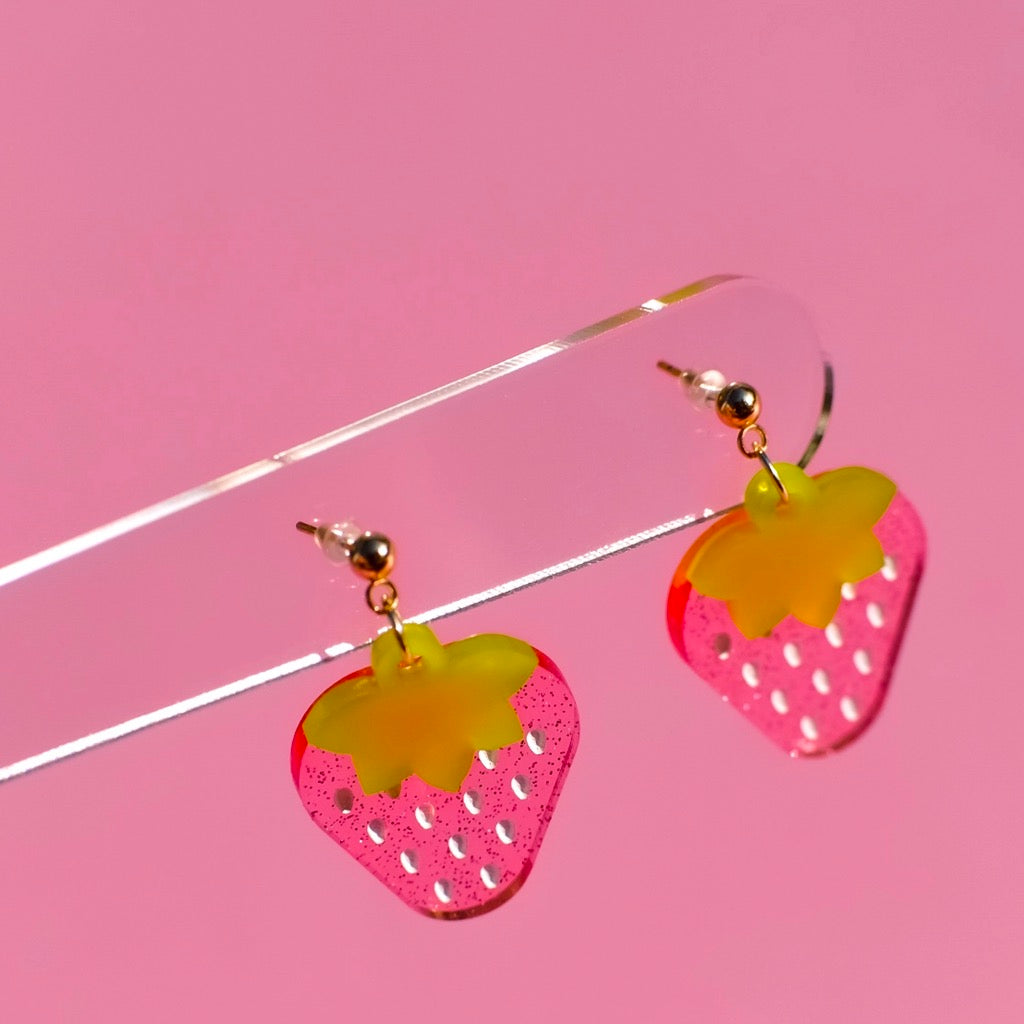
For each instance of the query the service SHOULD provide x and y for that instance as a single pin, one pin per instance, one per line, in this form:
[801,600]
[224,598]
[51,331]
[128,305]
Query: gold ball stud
[738,405]
[372,556]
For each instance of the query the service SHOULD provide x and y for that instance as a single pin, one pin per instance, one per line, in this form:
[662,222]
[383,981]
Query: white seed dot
[792,655]
[520,786]
[833,636]
[457,846]
[488,758]
[809,728]
[343,800]
[443,890]
[722,646]
[505,830]
[849,591]
[862,662]
[410,861]
[819,677]
[848,706]
[889,569]
[536,740]
[376,830]
[749,674]
[875,615]
[490,875]
[425,815]
[779,702]
[473,801]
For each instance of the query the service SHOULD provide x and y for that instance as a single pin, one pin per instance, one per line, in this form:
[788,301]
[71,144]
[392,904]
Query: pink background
[227,233]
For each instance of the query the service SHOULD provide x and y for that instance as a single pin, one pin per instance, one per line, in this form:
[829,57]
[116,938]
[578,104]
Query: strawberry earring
[793,606]
[437,766]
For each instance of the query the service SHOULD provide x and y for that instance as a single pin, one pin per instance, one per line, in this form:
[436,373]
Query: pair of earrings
[438,766]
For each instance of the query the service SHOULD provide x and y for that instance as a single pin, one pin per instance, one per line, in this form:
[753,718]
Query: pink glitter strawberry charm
[793,607]
[438,766]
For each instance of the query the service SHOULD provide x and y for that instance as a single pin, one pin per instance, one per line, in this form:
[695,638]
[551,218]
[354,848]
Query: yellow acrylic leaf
[428,718]
[776,559]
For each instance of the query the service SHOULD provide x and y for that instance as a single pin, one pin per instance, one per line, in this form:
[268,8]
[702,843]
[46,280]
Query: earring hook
[738,406]
[372,556]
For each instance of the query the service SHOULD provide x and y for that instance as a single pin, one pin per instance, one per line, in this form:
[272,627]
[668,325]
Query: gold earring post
[372,556]
[738,406]
[685,375]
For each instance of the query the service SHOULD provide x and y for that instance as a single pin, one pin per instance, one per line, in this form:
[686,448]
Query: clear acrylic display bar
[572,451]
